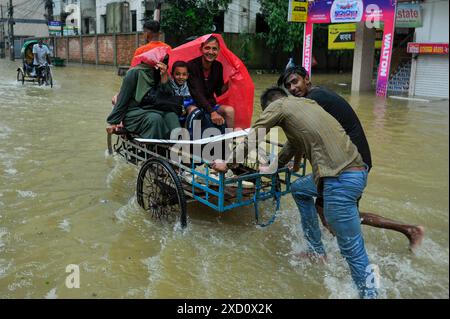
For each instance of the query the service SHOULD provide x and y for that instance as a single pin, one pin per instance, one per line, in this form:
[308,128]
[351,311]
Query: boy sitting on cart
[179,84]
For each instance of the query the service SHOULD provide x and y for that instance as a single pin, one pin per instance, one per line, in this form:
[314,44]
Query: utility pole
[145,10]
[157,13]
[249,17]
[11,30]
[49,7]
[2,34]
[49,16]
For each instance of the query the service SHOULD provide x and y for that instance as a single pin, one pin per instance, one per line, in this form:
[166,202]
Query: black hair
[165,60]
[299,70]
[152,26]
[211,39]
[272,94]
[179,64]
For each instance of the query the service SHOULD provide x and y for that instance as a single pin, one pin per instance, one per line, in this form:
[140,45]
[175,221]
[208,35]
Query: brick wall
[74,50]
[89,49]
[61,46]
[126,45]
[105,49]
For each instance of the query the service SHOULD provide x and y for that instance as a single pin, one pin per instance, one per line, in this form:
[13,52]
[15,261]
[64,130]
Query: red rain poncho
[152,56]
[241,89]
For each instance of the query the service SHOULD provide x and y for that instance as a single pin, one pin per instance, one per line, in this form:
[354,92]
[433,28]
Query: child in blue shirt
[178,82]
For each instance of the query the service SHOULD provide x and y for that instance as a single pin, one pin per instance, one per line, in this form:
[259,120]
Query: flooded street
[64,201]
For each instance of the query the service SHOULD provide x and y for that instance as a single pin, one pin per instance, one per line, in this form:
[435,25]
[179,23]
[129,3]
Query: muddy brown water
[63,202]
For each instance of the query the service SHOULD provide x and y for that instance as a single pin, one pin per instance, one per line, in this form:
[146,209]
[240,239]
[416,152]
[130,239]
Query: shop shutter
[432,76]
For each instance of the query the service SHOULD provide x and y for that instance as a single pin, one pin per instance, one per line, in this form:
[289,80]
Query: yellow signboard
[342,36]
[298,11]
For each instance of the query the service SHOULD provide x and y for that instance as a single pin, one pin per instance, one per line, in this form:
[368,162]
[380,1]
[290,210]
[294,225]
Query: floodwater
[64,201]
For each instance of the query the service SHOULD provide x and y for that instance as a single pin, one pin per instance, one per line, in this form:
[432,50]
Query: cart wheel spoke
[160,193]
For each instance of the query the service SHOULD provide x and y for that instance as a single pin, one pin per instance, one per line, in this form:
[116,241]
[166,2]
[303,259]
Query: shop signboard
[54,28]
[342,36]
[409,15]
[298,11]
[427,48]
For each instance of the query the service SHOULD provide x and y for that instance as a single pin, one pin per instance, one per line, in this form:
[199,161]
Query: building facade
[116,16]
[241,16]
[30,20]
[430,72]
[127,16]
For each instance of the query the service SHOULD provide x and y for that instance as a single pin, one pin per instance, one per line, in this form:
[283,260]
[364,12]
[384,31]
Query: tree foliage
[191,17]
[282,34]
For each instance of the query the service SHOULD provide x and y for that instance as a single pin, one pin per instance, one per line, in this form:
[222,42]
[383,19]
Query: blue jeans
[341,213]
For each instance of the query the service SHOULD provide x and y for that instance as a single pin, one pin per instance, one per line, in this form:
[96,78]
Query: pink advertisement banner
[307,47]
[387,45]
[354,11]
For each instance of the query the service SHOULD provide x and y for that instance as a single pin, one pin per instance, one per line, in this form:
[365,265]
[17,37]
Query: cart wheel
[40,80]
[159,191]
[20,76]
[49,77]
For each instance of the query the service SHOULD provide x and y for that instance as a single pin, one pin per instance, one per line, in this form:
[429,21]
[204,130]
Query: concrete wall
[429,74]
[241,16]
[435,22]
[135,5]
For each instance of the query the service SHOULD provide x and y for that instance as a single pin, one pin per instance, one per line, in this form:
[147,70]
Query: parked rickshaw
[41,74]
[165,186]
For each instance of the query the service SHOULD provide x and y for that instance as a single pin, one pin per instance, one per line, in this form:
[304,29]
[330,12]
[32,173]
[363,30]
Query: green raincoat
[146,123]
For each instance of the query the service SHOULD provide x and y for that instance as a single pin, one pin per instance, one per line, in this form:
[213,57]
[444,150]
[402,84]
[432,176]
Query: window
[219,21]
[86,25]
[133,21]
[103,23]
[261,24]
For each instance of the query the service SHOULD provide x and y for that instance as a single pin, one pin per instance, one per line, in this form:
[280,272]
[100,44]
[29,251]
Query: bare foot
[313,257]
[415,236]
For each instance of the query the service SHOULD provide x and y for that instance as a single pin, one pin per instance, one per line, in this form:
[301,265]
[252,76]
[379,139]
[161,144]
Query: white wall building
[80,17]
[29,19]
[132,17]
[241,16]
[430,73]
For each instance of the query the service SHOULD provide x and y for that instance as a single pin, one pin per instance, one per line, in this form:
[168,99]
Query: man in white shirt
[41,54]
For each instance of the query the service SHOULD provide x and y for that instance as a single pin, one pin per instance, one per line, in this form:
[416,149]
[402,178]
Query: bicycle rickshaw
[169,178]
[41,74]
[165,186]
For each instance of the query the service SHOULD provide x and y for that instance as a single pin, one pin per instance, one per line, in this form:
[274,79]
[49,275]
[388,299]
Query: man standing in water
[338,170]
[296,81]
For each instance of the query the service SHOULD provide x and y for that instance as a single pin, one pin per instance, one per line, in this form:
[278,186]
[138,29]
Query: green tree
[282,34]
[186,18]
